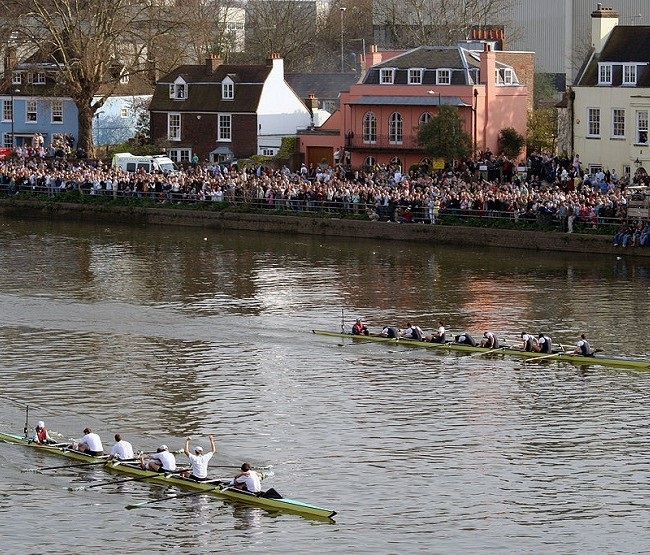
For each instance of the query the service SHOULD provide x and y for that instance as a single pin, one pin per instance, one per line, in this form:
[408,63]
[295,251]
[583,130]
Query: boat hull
[233,495]
[461,348]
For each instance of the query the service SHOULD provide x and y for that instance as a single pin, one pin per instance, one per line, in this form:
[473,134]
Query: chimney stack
[603,21]
[212,62]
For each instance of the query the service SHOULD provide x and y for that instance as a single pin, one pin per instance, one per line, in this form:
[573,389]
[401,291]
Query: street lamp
[342,10]
[475,109]
[438,93]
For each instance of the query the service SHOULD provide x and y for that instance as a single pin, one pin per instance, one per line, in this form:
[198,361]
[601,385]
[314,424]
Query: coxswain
[413,332]
[360,328]
[583,348]
[544,344]
[438,336]
[199,460]
[389,331]
[41,434]
[248,479]
[90,443]
[465,339]
[529,342]
[490,340]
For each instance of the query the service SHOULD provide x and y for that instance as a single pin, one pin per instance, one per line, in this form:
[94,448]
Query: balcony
[382,143]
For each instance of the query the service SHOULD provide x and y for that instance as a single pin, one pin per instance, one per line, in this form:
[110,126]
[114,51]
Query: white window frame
[508,76]
[425,117]
[395,129]
[178,90]
[618,123]
[443,76]
[369,128]
[124,112]
[57,111]
[224,128]
[604,74]
[629,74]
[31,111]
[641,127]
[180,154]
[415,75]
[268,152]
[7,110]
[386,75]
[37,78]
[174,123]
[17,78]
[593,122]
[227,89]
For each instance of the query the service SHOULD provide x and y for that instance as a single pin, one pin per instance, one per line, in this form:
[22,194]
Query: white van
[130,163]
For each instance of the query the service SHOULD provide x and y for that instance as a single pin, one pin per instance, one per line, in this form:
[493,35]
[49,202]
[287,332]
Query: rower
[122,450]
[465,339]
[583,348]
[199,460]
[413,332]
[90,443]
[490,340]
[438,336]
[360,328]
[161,461]
[529,342]
[248,479]
[544,344]
[41,434]
[389,331]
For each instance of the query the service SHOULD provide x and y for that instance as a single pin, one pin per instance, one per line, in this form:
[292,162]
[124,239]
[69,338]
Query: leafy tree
[542,130]
[544,90]
[511,142]
[443,135]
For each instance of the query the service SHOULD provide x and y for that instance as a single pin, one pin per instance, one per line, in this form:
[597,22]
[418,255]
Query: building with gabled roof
[610,101]
[222,112]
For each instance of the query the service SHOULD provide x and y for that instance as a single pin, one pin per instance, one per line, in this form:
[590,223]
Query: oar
[63,466]
[175,496]
[536,359]
[131,479]
[487,352]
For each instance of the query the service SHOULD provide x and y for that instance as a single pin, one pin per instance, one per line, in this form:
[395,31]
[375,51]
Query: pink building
[379,117]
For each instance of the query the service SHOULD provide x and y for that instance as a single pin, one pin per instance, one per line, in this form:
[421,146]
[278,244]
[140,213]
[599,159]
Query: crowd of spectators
[552,190]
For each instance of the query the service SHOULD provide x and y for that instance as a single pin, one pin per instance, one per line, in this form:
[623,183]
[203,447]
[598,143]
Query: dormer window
[443,76]
[227,89]
[604,74]
[415,76]
[386,75]
[16,78]
[36,78]
[629,74]
[178,89]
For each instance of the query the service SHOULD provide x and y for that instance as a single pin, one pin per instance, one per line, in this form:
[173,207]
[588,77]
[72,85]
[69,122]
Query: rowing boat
[221,490]
[462,348]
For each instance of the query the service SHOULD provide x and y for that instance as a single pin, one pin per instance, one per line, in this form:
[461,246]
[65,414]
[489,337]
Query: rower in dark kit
[438,336]
[583,348]
[490,340]
[390,332]
[413,332]
[465,339]
[529,342]
[544,344]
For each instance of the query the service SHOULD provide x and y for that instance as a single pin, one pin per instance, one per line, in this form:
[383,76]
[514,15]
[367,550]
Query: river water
[159,333]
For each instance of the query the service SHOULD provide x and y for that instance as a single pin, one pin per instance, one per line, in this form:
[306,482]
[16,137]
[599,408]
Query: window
[395,128]
[386,76]
[268,152]
[174,127]
[593,122]
[642,127]
[7,110]
[618,123]
[16,78]
[57,111]
[415,76]
[124,112]
[7,140]
[224,133]
[604,74]
[227,90]
[508,78]
[369,128]
[36,78]
[178,91]
[424,118]
[443,77]
[369,162]
[124,78]
[30,111]
[180,154]
[629,74]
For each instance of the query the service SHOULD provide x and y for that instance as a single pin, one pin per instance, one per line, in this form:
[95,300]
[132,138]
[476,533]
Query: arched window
[369,128]
[369,162]
[425,118]
[395,161]
[395,128]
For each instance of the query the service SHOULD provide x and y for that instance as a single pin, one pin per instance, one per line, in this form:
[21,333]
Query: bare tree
[90,44]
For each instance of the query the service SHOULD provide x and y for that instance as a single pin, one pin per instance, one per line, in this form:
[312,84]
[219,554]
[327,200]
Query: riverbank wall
[305,225]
